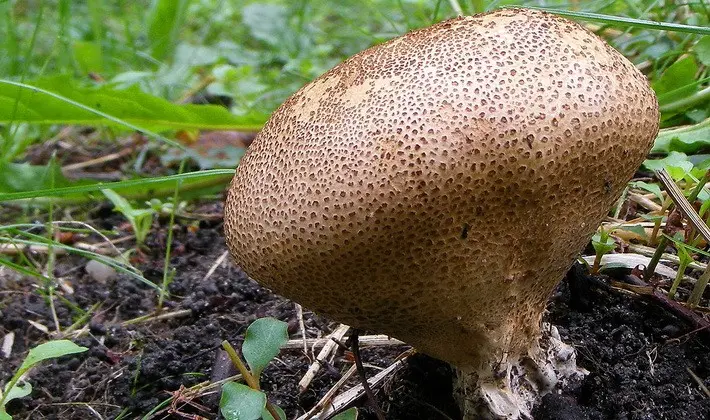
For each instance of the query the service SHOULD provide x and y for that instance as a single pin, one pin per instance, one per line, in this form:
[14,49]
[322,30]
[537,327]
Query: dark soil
[639,356]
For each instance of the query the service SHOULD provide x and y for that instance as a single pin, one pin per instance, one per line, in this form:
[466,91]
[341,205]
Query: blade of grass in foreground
[627,21]
[40,240]
[132,189]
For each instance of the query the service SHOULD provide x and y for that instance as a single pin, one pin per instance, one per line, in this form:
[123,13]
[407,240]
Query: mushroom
[437,187]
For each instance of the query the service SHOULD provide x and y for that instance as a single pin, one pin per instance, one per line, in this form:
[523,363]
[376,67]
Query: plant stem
[620,202]
[246,374]
[699,288]
[355,337]
[456,6]
[676,282]
[651,268]
[657,223]
[167,277]
[241,367]
[597,262]
[699,187]
[691,198]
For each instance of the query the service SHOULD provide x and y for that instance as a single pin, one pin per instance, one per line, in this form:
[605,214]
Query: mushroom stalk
[509,388]
[437,187]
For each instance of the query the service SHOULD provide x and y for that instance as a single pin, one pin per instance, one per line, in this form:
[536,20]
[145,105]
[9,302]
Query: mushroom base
[508,389]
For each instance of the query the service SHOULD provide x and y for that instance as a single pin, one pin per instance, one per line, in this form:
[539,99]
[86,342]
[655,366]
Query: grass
[123,67]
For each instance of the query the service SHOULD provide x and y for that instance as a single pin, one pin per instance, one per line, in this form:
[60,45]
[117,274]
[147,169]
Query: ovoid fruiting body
[437,187]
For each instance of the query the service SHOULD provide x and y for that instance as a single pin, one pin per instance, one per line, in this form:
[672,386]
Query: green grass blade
[627,21]
[41,240]
[24,270]
[165,19]
[130,189]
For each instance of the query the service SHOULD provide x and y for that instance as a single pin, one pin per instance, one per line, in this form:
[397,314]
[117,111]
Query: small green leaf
[637,229]
[120,204]
[239,402]
[613,267]
[141,219]
[262,342]
[652,217]
[602,243]
[652,188]
[676,163]
[683,254]
[50,350]
[265,415]
[20,390]
[349,414]
[702,50]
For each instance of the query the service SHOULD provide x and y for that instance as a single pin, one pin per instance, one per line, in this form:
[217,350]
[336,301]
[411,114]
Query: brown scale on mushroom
[437,187]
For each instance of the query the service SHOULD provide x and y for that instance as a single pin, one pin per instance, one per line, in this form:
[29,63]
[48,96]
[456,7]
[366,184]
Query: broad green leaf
[4,415]
[47,106]
[679,79]
[262,342]
[239,402]
[88,56]
[164,24]
[686,139]
[702,50]
[266,22]
[349,414]
[50,350]
[265,415]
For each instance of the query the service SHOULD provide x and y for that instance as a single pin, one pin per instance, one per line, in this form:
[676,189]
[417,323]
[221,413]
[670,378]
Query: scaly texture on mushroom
[437,187]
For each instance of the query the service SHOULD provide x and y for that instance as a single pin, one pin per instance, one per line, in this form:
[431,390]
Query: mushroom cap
[437,187]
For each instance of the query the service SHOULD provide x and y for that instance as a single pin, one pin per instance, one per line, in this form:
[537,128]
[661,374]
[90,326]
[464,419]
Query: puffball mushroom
[437,187]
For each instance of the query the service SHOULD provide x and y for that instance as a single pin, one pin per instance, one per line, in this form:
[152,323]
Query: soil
[640,358]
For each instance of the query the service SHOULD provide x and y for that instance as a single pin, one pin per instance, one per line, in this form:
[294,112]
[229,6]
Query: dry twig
[330,345]
[344,400]
[329,395]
